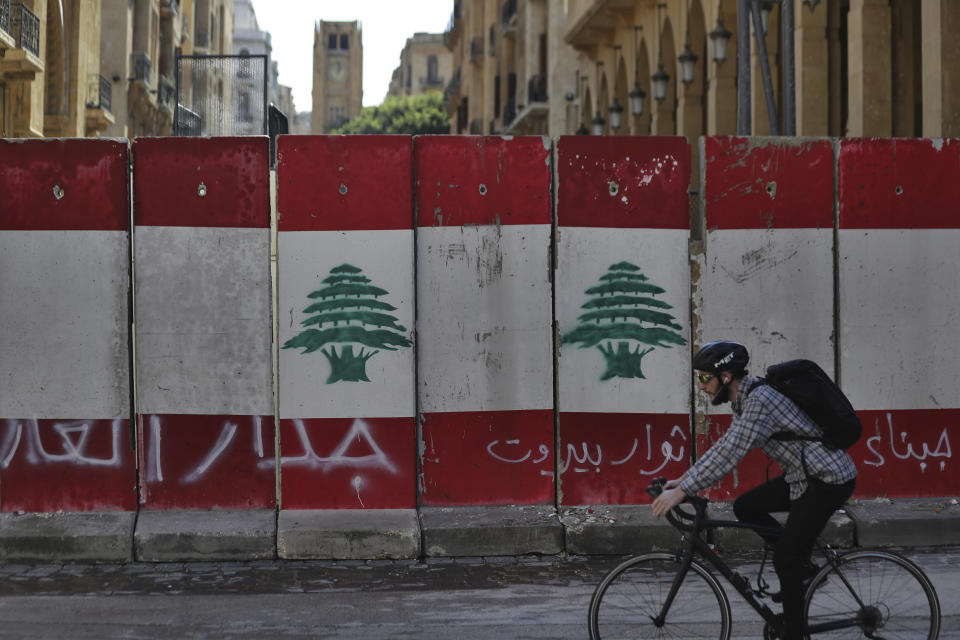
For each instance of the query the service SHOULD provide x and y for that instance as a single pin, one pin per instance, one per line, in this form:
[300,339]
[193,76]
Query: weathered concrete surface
[67,537]
[170,536]
[913,522]
[483,531]
[348,534]
[616,529]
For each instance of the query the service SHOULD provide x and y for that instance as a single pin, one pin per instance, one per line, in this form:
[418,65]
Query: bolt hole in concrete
[898,190]
[201,190]
[57,192]
[343,189]
[772,189]
[483,189]
[614,188]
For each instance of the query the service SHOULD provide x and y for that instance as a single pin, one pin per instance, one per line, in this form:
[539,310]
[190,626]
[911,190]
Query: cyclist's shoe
[807,574]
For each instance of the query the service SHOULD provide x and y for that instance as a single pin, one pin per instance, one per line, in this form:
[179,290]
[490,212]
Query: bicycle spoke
[875,594]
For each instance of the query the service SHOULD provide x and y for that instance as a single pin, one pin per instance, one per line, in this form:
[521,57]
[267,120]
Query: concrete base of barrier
[174,536]
[491,531]
[840,531]
[67,537]
[907,522]
[348,534]
[630,529]
[616,529]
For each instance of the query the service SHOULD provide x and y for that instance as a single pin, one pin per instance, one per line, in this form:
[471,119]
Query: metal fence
[221,95]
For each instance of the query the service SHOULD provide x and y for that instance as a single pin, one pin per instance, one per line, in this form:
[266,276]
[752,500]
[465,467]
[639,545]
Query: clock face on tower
[336,70]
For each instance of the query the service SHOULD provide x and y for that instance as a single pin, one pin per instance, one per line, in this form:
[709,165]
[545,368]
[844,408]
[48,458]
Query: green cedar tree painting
[348,313]
[623,313]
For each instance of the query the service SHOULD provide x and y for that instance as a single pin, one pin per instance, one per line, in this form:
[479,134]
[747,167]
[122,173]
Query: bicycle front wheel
[872,594]
[630,598]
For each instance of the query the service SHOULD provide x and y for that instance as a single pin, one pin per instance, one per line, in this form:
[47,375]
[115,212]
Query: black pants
[808,516]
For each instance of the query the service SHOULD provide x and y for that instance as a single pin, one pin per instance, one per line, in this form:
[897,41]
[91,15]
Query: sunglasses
[704,378]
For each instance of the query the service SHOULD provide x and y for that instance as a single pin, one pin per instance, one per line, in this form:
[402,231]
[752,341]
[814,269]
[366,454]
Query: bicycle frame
[697,545]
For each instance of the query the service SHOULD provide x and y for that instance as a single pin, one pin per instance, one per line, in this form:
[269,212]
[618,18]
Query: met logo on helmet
[724,360]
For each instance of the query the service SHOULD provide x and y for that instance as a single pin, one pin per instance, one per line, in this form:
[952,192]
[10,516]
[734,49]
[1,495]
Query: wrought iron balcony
[537,88]
[476,49]
[25,28]
[99,92]
[509,11]
[140,65]
[5,15]
[165,93]
[509,113]
[427,81]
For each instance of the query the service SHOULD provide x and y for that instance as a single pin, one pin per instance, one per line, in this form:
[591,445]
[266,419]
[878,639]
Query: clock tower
[337,74]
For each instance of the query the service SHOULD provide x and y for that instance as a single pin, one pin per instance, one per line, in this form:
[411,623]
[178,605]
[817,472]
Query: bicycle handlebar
[676,515]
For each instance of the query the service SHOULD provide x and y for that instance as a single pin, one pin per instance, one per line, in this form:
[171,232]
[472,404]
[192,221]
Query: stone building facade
[50,78]
[862,67]
[337,74]
[425,65]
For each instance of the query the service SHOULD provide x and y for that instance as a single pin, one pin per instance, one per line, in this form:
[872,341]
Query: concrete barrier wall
[64,316]
[346,300]
[899,299]
[623,315]
[485,357]
[496,300]
[203,323]
[766,272]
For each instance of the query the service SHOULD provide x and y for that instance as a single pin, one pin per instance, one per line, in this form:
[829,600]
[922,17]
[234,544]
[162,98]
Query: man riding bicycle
[816,479]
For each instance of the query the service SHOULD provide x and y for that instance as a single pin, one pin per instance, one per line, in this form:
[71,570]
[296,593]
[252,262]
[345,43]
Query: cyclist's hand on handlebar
[670,484]
[668,500]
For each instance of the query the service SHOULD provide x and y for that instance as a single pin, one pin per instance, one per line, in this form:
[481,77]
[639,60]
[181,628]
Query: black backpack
[811,389]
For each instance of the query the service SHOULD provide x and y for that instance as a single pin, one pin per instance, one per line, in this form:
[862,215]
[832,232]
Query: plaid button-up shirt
[759,412]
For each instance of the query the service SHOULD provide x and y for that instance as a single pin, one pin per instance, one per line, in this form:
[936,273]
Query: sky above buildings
[386,26]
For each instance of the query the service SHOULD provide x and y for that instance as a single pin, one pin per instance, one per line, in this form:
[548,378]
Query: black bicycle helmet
[721,355]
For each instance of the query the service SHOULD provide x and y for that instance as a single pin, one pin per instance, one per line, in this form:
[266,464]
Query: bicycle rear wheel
[628,599]
[872,594]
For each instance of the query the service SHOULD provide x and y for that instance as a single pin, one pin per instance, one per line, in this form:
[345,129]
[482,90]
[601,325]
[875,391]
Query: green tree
[624,310]
[347,306]
[412,115]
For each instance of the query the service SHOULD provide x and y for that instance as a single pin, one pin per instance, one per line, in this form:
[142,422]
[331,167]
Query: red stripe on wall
[348,463]
[337,183]
[66,465]
[899,184]
[202,182]
[482,180]
[56,184]
[623,182]
[206,461]
[610,458]
[487,458]
[768,183]
[907,453]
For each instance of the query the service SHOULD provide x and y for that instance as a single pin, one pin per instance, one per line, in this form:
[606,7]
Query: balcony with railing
[97,115]
[169,8]
[20,40]
[452,33]
[165,94]
[452,93]
[476,49]
[434,82]
[99,92]
[537,88]
[508,14]
[140,65]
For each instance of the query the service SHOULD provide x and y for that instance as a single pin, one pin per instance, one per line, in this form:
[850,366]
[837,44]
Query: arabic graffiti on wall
[348,463]
[68,465]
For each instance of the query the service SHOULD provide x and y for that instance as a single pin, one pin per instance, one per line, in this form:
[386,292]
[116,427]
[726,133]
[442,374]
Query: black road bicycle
[856,594]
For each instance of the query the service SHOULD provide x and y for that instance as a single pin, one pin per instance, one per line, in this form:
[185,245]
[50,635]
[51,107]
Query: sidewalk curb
[181,535]
[348,534]
[907,522]
[491,531]
[104,536]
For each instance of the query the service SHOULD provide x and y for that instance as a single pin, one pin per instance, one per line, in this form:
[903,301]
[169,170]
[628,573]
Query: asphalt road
[468,598]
